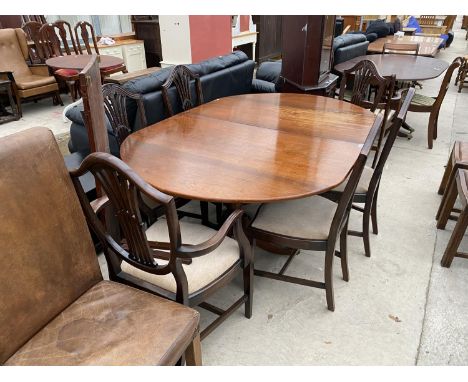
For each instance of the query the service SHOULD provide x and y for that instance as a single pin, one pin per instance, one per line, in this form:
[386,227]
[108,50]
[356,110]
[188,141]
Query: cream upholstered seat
[364,181]
[422,100]
[307,218]
[203,270]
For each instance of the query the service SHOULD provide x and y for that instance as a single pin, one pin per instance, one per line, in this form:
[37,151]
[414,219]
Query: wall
[210,36]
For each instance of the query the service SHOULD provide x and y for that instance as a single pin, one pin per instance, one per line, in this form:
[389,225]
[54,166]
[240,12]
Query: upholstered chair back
[14,52]
[47,256]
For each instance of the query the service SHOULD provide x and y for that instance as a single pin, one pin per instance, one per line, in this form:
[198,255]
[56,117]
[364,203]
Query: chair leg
[447,203]
[248,288]
[204,213]
[193,354]
[329,255]
[344,252]
[430,131]
[71,89]
[59,99]
[375,227]
[18,105]
[455,239]
[447,172]
[365,228]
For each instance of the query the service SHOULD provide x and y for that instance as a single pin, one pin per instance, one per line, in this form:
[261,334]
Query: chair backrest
[391,137]
[181,77]
[115,106]
[397,48]
[55,41]
[32,30]
[82,31]
[346,198]
[47,255]
[93,109]
[427,20]
[14,52]
[123,188]
[446,81]
[449,21]
[364,74]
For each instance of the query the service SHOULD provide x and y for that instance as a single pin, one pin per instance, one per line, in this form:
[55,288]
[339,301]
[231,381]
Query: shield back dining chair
[366,80]
[312,223]
[367,189]
[397,48]
[181,261]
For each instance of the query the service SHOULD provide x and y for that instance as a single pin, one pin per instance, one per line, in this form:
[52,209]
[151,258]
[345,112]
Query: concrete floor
[399,307]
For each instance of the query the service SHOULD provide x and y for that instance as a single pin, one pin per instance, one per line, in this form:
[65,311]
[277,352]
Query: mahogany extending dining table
[251,148]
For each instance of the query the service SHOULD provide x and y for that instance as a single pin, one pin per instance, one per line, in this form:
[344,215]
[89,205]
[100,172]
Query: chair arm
[40,70]
[187,251]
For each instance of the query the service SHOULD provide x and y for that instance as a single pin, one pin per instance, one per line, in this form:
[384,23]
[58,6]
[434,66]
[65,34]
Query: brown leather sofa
[28,81]
[55,307]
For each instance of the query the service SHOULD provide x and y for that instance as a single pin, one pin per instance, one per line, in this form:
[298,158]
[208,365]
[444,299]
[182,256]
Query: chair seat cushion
[112,68]
[422,100]
[306,218]
[364,181]
[66,72]
[33,81]
[112,324]
[460,152]
[203,270]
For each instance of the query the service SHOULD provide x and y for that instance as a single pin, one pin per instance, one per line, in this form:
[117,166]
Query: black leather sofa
[345,48]
[220,77]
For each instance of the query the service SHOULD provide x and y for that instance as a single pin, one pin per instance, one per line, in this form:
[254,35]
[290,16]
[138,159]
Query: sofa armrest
[261,86]
[40,70]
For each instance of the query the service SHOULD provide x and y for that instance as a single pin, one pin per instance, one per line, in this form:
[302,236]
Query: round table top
[251,148]
[405,67]
[79,61]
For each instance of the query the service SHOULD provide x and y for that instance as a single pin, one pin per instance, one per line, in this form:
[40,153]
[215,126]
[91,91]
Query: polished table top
[251,148]
[405,67]
[428,46]
[79,61]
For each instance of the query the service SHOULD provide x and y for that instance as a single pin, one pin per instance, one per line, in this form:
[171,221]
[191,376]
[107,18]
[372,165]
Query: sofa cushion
[31,81]
[371,37]
[269,71]
[348,39]
[203,270]
[112,324]
[379,27]
[218,63]
[348,52]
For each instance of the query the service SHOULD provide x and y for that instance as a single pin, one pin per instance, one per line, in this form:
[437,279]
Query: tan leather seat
[28,81]
[55,309]
[112,324]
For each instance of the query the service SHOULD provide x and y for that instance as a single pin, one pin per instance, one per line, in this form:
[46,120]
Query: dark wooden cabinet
[307,54]
[147,29]
[269,40]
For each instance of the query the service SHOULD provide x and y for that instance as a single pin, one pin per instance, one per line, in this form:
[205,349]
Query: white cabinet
[134,57]
[132,53]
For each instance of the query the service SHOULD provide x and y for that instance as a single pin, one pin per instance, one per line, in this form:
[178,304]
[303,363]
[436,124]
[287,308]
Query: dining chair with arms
[83,29]
[28,81]
[55,44]
[425,104]
[313,223]
[367,80]
[181,261]
[180,79]
[397,48]
[367,189]
[55,308]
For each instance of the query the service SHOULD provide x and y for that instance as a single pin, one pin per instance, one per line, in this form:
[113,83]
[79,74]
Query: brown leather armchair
[28,81]
[55,307]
